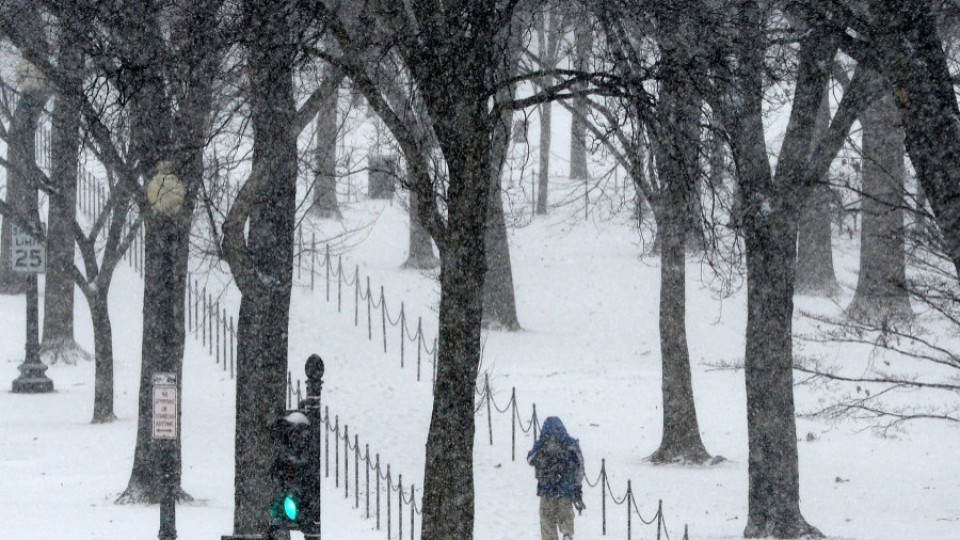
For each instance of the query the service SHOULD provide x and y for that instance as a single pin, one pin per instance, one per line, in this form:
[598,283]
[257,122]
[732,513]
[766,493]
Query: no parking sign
[164,406]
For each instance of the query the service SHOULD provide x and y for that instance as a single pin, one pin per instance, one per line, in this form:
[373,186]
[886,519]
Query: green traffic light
[290,507]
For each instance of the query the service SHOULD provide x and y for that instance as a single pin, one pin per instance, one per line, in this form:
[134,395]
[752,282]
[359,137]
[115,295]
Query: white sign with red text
[164,406]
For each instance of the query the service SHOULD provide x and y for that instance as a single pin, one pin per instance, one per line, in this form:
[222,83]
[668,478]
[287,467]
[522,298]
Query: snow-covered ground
[588,352]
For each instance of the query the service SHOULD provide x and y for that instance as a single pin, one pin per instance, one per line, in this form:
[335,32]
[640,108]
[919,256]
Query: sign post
[30,257]
[165,431]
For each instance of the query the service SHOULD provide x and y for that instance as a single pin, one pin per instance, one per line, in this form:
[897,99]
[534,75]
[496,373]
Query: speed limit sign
[29,253]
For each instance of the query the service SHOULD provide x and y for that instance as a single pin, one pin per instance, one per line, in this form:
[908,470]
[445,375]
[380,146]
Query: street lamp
[165,195]
[30,80]
[29,252]
[165,191]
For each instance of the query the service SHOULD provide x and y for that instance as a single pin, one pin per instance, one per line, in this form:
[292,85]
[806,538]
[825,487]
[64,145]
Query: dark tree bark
[58,337]
[456,99]
[448,496]
[325,204]
[455,95]
[21,196]
[420,254]
[815,273]
[172,138]
[261,260]
[770,228]
[882,293]
[678,167]
[103,357]
[499,301]
[905,46]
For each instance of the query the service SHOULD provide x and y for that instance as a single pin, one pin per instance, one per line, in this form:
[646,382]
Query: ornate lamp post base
[32,379]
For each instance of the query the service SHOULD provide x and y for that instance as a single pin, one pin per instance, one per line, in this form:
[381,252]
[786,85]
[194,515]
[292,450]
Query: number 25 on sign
[29,254]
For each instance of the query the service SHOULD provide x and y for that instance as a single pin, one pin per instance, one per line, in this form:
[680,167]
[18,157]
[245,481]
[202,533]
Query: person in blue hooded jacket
[558,463]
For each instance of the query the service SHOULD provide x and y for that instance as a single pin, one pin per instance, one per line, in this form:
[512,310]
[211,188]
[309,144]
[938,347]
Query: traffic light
[293,473]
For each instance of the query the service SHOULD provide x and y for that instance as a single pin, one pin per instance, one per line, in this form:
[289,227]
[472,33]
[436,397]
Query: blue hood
[552,429]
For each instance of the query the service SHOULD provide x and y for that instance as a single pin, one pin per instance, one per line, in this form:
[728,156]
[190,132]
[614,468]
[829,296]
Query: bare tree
[903,44]
[769,229]
[58,337]
[882,292]
[677,130]
[815,273]
[325,203]
[549,37]
[453,207]
[583,30]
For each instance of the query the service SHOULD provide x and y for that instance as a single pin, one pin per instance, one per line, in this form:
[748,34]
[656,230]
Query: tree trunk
[58,337]
[583,45]
[770,228]
[774,492]
[21,193]
[448,496]
[815,274]
[325,204]
[499,301]
[681,431]
[912,59]
[678,166]
[549,51]
[103,357]
[881,293]
[166,244]
[165,136]
[261,260]
[421,254]
[457,101]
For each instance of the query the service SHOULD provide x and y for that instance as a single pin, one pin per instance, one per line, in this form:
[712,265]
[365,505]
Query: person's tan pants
[556,514]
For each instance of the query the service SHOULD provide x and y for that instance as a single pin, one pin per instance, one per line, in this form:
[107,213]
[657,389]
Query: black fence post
[369,312]
[356,296]
[233,347]
[403,329]
[389,489]
[383,318]
[203,323]
[366,460]
[419,344]
[326,442]
[217,311]
[513,424]
[356,471]
[659,517]
[339,282]
[603,493]
[399,506]
[210,324]
[377,470]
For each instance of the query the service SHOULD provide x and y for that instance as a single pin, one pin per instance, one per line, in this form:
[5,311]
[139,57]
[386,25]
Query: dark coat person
[558,462]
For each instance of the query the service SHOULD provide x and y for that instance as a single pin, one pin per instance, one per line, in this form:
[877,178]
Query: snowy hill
[588,352]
